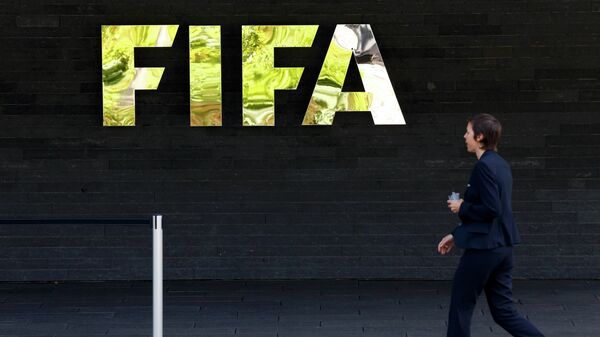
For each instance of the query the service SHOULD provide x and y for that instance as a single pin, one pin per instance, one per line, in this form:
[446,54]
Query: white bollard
[157,279]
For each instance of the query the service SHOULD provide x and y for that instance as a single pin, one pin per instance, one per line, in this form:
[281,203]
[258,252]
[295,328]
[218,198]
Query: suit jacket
[486,212]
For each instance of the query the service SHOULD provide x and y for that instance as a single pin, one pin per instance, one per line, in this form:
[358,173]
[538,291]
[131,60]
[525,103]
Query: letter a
[328,97]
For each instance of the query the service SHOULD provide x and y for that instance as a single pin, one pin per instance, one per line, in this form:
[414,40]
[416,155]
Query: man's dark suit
[487,232]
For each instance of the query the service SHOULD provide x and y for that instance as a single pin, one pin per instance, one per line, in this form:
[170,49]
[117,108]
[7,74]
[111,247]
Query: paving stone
[338,312]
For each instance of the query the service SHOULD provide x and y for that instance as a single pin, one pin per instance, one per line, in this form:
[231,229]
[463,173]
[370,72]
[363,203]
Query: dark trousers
[488,270]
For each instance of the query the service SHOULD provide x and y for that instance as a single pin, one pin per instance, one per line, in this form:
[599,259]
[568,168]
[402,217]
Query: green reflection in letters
[379,98]
[205,76]
[120,78]
[260,78]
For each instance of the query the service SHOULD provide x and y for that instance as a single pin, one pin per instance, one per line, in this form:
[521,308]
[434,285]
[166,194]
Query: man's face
[471,143]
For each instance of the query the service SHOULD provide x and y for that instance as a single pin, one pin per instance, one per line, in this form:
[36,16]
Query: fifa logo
[260,78]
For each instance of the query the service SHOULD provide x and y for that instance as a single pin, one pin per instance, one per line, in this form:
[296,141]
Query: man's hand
[446,245]
[454,205]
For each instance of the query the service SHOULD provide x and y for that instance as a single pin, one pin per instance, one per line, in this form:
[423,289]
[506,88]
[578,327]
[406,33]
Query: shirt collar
[486,152]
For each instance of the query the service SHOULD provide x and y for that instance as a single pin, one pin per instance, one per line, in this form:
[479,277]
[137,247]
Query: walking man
[487,233]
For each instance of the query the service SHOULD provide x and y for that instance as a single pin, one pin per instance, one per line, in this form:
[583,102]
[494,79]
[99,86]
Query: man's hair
[489,127]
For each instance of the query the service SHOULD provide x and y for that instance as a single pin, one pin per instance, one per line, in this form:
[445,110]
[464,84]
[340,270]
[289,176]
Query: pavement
[297,308]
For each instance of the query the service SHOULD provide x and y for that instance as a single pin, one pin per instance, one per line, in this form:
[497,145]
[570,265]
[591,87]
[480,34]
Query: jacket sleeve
[487,188]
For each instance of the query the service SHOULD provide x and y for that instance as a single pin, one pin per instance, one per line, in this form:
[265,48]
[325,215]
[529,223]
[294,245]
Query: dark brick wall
[348,201]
